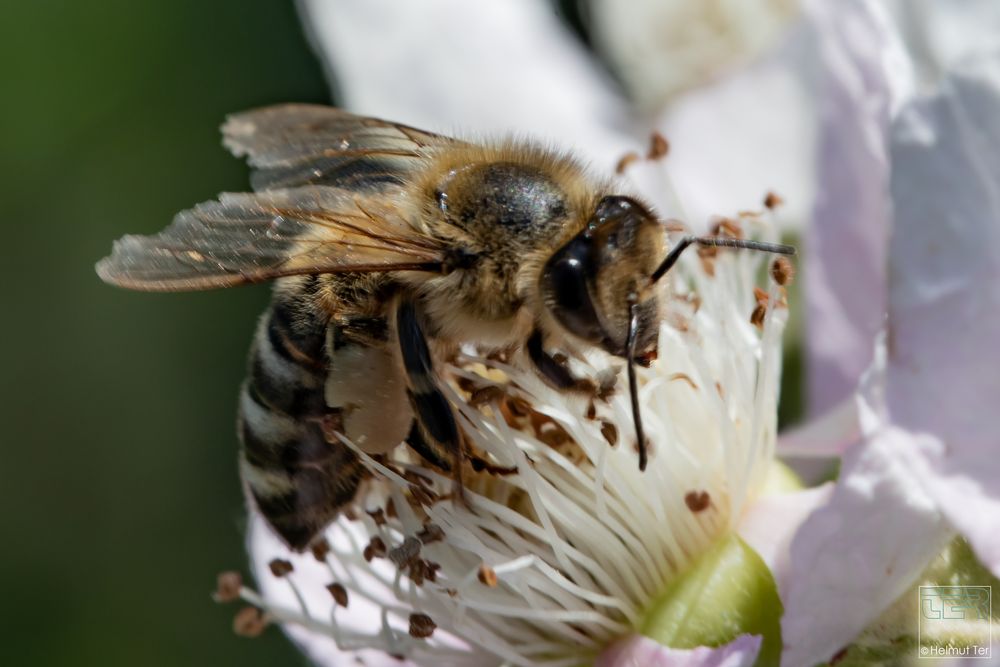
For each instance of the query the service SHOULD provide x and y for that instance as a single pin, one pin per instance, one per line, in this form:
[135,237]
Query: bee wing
[247,238]
[290,145]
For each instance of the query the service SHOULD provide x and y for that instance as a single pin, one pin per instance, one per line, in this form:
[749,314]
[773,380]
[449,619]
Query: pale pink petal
[853,557]
[944,295]
[479,68]
[639,651]
[940,34]
[771,521]
[828,435]
[861,82]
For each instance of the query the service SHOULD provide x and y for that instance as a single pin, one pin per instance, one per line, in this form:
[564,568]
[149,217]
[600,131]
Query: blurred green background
[120,498]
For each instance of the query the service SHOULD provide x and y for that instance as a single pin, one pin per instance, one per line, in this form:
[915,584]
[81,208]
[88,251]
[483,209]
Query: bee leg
[555,373]
[434,435]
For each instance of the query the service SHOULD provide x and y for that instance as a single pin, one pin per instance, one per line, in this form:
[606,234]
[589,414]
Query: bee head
[592,285]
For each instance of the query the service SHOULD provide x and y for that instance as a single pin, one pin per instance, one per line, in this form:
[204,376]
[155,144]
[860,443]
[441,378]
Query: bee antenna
[716,242]
[633,384]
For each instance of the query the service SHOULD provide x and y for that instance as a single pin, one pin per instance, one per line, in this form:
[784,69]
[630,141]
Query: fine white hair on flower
[549,564]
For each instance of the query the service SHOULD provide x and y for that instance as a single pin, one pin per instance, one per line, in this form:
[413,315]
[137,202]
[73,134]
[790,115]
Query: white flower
[551,565]
[838,87]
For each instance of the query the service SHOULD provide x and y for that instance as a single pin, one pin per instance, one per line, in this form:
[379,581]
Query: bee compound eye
[566,290]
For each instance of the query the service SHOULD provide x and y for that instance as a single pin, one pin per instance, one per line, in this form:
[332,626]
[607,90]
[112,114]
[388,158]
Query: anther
[375,549]
[338,592]
[249,622]
[421,626]
[782,271]
[610,433]
[487,576]
[658,146]
[320,550]
[626,161]
[227,587]
[280,567]
[697,501]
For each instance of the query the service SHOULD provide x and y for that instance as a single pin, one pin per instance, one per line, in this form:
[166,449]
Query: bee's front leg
[554,372]
[435,435]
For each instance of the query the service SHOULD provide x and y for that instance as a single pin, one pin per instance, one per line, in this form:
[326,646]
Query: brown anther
[718,388]
[549,432]
[422,497]
[727,227]
[406,552]
[625,161]
[338,592]
[773,200]
[320,550]
[685,377]
[431,533]
[487,394]
[249,622]
[760,296]
[658,146]
[377,515]
[451,592]
[421,626]
[758,315]
[782,271]
[416,572]
[227,587]
[675,226]
[707,251]
[708,266]
[280,567]
[390,509]
[374,549]
[519,407]
[487,576]
[610,433]
[697,501]
[591,410]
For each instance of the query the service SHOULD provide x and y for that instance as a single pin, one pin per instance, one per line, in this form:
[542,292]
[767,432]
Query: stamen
[228,587]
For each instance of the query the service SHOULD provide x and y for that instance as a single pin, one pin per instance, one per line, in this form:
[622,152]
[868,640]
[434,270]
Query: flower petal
[863,78]
[480,67]
[754,131]
[770,523]
[639,651]
[660,47]
[944,301]
[940,35]
[853,557]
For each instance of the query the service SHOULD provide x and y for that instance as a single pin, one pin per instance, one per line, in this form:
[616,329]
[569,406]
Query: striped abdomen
[298,478]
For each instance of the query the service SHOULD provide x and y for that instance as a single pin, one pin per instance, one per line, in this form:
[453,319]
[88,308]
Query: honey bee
[389,246]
